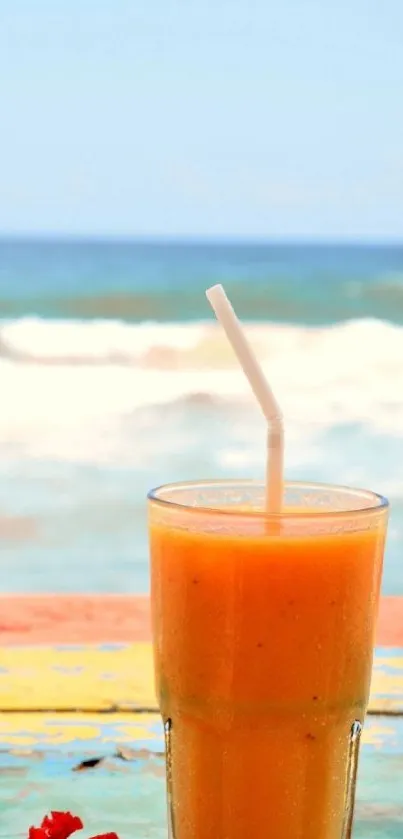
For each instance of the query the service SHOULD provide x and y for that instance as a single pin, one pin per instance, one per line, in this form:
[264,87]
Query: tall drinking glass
[263,630]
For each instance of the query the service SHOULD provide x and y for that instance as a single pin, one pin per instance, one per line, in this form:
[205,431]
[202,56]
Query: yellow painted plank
[85,678]
[28,730]
[108,677]
[87,731]
[387,682]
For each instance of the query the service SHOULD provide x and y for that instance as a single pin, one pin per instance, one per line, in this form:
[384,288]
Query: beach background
[114,378]
[149,150]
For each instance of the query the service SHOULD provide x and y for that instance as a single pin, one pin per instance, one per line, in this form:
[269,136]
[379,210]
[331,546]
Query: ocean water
[114,378]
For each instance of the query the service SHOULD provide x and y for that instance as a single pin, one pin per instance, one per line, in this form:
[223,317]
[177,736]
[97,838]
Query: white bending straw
[226,316]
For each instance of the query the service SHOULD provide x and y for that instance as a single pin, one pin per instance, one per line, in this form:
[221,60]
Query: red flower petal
[59,825]
[102,836]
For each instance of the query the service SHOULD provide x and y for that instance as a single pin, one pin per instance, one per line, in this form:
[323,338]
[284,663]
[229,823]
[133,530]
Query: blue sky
[202,118]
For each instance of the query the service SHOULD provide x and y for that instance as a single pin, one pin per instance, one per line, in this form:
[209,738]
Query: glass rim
[379,502]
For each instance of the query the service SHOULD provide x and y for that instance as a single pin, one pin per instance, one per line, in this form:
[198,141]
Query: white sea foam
[67,387]
[93,414]
[89,342]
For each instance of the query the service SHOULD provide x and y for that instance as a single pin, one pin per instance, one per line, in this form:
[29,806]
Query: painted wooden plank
[114,676]
[68,677]
[125,790]
[80,732]
[390,622]
[74,618]
[387,682]
[100,733]
[114,618]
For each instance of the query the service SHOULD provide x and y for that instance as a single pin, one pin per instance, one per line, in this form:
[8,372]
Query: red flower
[60,826]
[105,836]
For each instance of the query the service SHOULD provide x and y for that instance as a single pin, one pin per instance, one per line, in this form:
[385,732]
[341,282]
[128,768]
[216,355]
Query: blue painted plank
[129,795]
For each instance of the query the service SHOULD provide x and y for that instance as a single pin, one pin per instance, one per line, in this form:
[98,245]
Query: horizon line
[200,239]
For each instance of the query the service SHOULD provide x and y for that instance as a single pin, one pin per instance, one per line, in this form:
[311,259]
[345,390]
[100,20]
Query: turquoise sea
[114,377]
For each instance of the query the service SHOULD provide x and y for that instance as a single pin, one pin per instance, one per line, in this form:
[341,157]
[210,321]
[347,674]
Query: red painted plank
[76,618]
[73,618]
[390,622]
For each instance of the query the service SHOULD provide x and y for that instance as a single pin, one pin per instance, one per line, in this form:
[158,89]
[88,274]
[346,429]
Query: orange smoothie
[263,643]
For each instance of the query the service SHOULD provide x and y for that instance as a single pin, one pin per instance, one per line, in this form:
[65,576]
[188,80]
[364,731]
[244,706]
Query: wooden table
[79,728]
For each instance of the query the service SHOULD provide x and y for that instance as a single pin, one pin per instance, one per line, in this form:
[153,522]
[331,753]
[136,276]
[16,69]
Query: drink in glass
[263,630]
